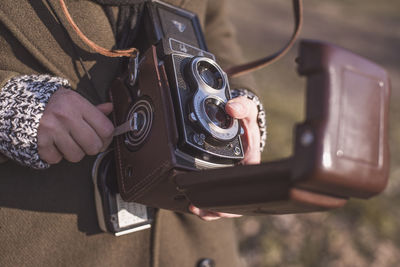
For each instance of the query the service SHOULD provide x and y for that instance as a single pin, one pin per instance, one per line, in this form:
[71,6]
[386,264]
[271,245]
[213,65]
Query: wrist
[22,103]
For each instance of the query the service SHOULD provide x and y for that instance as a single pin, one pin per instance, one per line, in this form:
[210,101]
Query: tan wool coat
[48,217]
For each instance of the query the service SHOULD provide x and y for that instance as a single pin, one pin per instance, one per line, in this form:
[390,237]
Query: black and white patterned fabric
[261,117]
[22,103]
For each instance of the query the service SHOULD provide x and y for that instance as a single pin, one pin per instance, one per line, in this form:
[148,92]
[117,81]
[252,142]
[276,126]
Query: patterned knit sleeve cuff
[22,103]
[261,117]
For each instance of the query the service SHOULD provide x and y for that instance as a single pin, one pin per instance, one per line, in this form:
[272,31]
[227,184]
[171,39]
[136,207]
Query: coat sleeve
[23,97]
[222,41]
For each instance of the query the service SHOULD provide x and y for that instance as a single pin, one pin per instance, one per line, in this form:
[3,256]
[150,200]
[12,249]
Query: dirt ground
[364,232]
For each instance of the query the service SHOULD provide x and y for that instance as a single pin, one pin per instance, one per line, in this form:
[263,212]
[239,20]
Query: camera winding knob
[141,114]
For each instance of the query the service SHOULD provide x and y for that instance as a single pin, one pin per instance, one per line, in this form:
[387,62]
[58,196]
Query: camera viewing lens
[210,74]
[216,112]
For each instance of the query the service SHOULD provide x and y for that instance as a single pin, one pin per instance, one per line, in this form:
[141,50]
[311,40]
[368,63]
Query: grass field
[364,232]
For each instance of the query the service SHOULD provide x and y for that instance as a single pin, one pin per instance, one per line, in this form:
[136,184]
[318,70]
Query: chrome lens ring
[216,122]
[208,74]
[215,111]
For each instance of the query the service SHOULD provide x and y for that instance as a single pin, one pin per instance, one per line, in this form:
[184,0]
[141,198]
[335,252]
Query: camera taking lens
[215,111]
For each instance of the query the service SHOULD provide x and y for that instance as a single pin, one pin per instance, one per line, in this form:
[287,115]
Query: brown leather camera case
[141,172]
[341,149]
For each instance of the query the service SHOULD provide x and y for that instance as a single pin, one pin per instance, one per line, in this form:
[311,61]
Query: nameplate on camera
[180,47]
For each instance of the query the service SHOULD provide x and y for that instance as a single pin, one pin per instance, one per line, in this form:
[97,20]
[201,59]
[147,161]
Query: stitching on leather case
[149,180]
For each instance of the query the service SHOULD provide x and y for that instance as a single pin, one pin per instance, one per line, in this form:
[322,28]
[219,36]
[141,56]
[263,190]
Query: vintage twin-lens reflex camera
[173,133]
[198,86]
[171,104]
[201,89]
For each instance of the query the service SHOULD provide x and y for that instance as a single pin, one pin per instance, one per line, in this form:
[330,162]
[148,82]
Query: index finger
[100,124]
[242,108]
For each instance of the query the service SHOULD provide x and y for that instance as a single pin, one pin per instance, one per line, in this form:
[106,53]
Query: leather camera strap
[232,72]
[239,70]
[131,52]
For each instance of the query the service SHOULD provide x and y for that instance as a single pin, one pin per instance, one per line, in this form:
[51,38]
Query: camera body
[176,95]
[199,87]
[176,99]
[200,90]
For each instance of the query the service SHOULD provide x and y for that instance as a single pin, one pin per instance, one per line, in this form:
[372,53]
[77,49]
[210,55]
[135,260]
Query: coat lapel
[46,34]
[44,31]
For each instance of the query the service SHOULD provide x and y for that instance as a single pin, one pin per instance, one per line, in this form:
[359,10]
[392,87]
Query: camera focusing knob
[199,139]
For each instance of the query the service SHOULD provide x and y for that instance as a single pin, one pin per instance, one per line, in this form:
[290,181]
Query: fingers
[105,108]
[71,141]
[238,108]
[95,133]
[203,214]
[242,108]
[69,148]
[95,117]
[48,151]
[211,215]
[57,145]
[71,127]
[246,110]
[87,138]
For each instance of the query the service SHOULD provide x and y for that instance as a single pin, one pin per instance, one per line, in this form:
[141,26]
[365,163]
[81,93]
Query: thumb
[106,108]
[237,109]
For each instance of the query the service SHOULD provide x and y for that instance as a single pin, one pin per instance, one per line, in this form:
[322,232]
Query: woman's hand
[246,110]
[208,215]
[71,127]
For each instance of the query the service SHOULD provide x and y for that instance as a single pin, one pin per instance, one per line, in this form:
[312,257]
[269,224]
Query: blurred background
[363,233]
